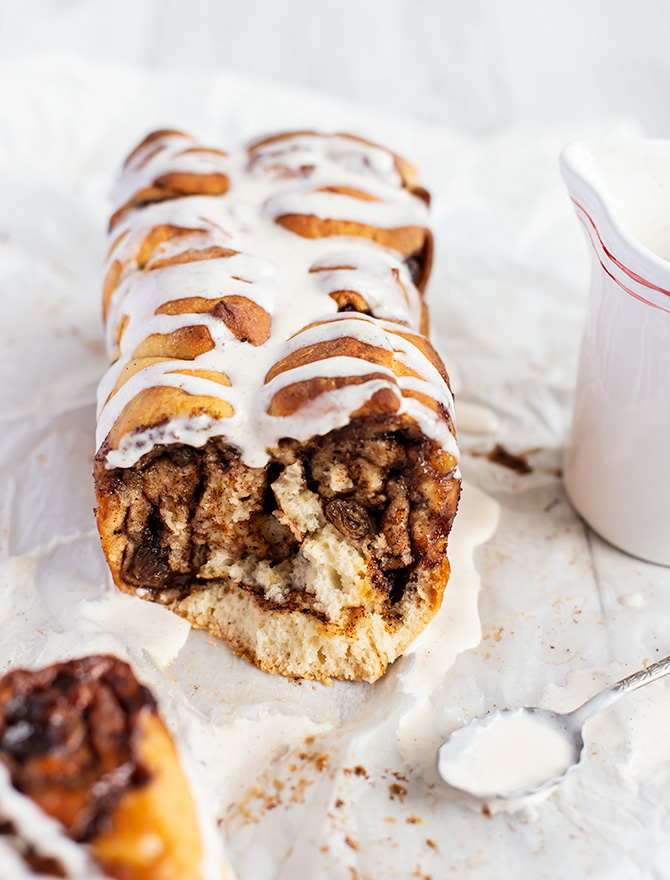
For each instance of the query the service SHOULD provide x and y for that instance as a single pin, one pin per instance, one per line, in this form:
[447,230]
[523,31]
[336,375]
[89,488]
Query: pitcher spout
[620,188]
[617,461]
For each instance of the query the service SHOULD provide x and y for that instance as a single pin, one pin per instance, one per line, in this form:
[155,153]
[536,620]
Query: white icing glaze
[43,833]
[505,753]
[308,150]
[472,418]
[404,211]
[287,275]
[171,153]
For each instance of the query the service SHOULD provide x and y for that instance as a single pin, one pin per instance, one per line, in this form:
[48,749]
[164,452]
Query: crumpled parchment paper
[308,780]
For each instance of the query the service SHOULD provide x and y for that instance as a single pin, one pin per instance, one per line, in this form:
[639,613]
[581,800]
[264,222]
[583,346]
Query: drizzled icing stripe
[225,265]
[290,154]
[169,164]
[46,835]
[405,211]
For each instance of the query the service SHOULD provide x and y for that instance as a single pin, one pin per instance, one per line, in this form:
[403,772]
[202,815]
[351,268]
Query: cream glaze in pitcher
[617,463]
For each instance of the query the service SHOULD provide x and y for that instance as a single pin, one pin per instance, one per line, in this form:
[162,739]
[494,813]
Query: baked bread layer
[326,562]
[277,458]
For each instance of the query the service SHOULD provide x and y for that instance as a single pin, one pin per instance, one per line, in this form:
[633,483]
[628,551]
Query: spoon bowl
[511,756]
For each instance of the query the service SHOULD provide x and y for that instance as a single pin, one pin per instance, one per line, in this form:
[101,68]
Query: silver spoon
[473,756]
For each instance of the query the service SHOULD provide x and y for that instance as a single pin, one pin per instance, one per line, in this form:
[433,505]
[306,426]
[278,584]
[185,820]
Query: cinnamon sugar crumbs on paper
[268,793]
[500,455]
[320,760]
[356,771]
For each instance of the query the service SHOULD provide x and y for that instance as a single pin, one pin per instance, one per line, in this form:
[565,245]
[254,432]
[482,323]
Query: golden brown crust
[403,167]
[291,398]
[414,242]
[135,366]
[343,346]
[184,344]
[351,191]
[65,729]
[152,138]
[407,240]
[154,833]
[193,255]
[83,740]
[172,184]
[158,405]
[382,403]
[145,248]
[245,319]
[350,301]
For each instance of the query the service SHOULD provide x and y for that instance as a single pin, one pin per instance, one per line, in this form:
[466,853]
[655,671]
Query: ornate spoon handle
[615,691]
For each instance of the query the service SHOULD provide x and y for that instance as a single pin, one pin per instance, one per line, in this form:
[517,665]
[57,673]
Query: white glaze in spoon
[510,755]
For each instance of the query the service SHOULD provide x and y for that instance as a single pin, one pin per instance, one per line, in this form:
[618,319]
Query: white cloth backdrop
[475,64]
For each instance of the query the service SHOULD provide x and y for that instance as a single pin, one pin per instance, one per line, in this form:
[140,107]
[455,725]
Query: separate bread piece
[84,742]
[277,460]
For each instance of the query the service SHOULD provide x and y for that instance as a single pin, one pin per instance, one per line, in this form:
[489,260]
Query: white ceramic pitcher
[617,464]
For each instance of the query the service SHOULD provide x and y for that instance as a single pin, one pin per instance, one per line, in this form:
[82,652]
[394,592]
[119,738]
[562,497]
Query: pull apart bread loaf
[90,781]
[277,459]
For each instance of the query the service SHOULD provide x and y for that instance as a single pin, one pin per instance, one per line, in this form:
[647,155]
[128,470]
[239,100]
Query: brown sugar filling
[192,514]
[67,738]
